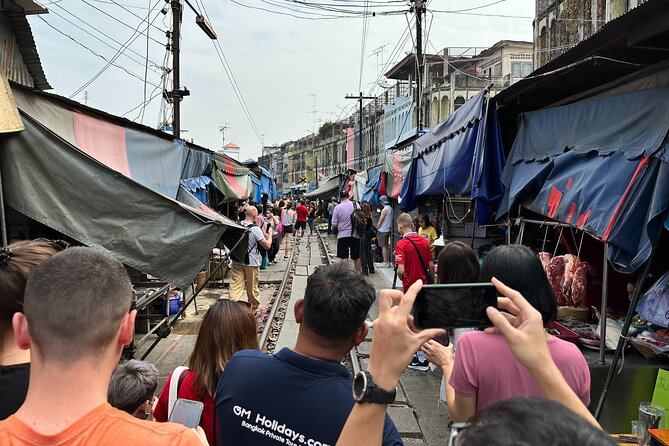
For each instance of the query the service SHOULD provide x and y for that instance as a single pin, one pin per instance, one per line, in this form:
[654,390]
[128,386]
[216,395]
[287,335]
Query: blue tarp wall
[601,165]
[462,156]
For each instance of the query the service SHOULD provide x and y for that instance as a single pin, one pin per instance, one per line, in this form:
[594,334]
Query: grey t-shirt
[255,235]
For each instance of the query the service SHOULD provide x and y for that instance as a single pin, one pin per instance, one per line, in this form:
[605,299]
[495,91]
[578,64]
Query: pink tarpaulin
[103,141]
[350,148]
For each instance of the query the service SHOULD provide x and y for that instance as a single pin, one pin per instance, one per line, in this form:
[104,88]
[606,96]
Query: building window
[521,69]
[497,70]
[459,102]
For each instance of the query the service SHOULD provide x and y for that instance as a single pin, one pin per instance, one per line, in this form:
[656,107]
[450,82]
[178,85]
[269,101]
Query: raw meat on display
[580,282]
[545,258]
[570,264]
[555,274]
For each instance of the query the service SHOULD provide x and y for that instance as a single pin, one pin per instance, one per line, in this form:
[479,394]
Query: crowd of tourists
[66,313]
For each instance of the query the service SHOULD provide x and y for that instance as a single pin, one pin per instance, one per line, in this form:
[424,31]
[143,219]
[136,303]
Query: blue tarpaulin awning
[462,155]
[371,191]
[608,174]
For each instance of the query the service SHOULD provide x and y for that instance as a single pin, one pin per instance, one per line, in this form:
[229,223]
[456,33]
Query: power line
[118,20]
[52,11]
[93,52]
[231,77]
[136,33]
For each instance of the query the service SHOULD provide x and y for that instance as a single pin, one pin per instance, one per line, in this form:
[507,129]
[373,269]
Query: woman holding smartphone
[485,370]
[227,328]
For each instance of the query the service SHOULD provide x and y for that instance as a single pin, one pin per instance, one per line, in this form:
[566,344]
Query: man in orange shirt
[76,320]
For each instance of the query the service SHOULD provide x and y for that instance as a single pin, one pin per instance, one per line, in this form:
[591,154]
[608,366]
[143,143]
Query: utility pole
[176,94]
[86,97]
[313,137]
[420,10]
[222,129]
[360,97]
[176,99]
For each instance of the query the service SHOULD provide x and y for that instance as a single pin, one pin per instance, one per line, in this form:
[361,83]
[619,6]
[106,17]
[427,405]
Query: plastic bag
[654,305]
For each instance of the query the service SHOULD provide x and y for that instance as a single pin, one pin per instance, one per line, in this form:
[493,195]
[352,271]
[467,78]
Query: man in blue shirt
[301,396]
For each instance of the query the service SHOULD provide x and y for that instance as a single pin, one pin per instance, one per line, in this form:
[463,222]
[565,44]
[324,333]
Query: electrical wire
[131,39]
[117,19]
[146,64]
[107,36]
[231,77]
[92,51]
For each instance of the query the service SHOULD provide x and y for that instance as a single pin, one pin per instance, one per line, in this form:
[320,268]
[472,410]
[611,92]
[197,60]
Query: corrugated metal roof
[26,44]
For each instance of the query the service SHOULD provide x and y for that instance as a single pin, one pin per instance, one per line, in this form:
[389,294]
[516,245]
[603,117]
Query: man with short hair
[302,212]
[347,238]
[385,227]
[414,261]
[301,396]
[331,207]
[76,321]
[244,275]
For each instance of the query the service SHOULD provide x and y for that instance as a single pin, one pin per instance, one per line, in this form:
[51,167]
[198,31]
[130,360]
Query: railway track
[279,305]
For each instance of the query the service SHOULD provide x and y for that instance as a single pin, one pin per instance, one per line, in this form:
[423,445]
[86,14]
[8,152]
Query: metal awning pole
[605,298]
[3,221]
[631,310]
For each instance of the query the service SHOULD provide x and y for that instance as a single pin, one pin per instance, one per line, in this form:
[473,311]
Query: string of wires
[231,77]
[336,9]
[136,34]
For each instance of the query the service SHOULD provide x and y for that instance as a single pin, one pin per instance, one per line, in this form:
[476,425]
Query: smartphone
[457,305]
[186,412]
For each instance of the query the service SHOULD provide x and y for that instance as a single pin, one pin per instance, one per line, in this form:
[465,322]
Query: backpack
[246,256]
[358,220]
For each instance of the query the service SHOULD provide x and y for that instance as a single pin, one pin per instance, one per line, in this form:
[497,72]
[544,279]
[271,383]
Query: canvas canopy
[461,156]
[370,192]
[231,178]
[394,171]
[50,181]
[608,175]
[330,188]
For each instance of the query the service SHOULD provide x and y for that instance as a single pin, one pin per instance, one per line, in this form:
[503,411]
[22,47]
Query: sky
[280,63]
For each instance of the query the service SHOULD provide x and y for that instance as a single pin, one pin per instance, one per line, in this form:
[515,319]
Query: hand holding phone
[186,412]
[457,305]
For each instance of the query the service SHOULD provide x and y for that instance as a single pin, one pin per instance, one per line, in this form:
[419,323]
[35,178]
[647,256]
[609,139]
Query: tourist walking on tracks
[366,236]
[313,212]
[17,262]
[288,220]
[414,262]
[273,223]
[385,227]
[331,207]
[302,213]
[227,327]
[304,394]
[76,320]
[244,274]
[348,244]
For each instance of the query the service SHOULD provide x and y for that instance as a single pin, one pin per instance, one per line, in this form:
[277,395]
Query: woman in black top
[17,263]
[366,255]
[311,216]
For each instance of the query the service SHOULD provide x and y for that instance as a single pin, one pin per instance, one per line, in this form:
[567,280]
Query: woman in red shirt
[227,328]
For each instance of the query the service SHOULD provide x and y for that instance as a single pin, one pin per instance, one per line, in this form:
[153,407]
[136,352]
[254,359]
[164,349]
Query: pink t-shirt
[486,369]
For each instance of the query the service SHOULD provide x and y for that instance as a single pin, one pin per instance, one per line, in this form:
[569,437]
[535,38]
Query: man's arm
[392,348]
[335,218]
[382,217]
[460,408]
[266,242]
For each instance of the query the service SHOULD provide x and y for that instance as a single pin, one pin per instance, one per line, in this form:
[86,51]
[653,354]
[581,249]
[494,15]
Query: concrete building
[389,121]
[561,24]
